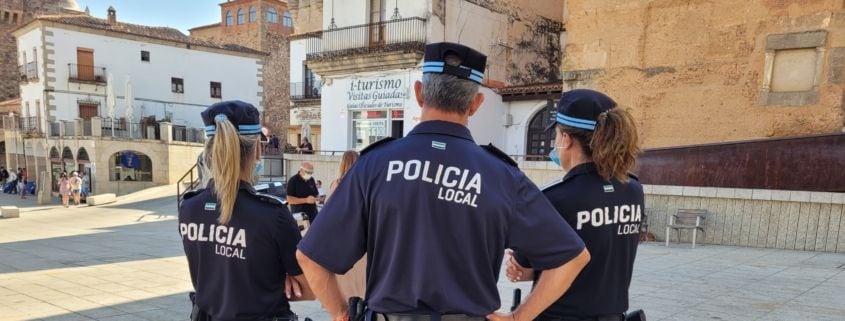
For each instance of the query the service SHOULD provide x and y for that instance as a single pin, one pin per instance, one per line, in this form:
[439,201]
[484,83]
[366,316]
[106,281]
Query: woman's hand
[293,289]
[516,272]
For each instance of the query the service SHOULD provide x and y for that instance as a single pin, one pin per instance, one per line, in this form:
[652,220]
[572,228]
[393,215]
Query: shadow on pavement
[176,307]
[142,241]
[162,206]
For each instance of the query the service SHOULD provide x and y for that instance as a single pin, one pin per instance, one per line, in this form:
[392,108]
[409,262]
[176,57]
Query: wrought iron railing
[392,35]
[306,90]
[85,73]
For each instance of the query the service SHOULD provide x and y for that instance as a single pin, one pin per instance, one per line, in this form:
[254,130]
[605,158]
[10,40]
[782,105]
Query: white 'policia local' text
[456,185]
[230,242]
[629,215]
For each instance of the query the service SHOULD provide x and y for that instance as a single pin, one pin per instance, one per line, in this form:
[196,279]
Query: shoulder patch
[377,144]
[193,193]
[552,184]
[272,199]
[499,154]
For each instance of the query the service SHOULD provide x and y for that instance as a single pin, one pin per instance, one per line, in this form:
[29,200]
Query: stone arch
[130,165]
[538,141]
[55,157]
[82,156]
[67,155]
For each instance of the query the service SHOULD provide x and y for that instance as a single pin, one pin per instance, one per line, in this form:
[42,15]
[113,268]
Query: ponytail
[230,154]
[615,144]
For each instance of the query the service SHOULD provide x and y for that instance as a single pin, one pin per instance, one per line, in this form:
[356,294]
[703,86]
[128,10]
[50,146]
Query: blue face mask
[555,156]
[259,168]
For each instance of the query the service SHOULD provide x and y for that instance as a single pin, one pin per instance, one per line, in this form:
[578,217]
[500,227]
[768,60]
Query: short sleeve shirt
[434,213]
[298,187]
[607,216]
[238,270]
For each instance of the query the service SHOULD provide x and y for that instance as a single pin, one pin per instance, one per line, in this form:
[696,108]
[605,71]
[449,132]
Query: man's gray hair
[448,93]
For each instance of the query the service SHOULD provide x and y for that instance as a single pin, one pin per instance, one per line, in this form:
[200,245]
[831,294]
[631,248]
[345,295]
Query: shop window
[370,126]
[130,166]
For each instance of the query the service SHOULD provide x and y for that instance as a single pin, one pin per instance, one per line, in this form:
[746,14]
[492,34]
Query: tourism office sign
[377,93]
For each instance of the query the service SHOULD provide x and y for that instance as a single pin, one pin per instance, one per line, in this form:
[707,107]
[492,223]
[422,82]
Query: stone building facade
[13,14]
[263,25]
[697,72]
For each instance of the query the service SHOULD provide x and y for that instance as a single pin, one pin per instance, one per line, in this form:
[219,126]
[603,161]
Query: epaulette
[634,176]
[377,144]
[192,193]
[272,199]
[552,184]
[499,154]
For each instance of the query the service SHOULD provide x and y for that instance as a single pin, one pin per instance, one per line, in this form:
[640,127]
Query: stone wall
[700,71]
[9,53]
[307,15]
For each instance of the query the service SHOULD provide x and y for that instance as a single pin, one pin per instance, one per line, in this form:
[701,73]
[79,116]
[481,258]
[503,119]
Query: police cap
[580,108]
[454,59]
[244,116]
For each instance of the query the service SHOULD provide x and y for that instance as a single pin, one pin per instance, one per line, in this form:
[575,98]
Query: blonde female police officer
[240,244]
[596,143]
[434,213]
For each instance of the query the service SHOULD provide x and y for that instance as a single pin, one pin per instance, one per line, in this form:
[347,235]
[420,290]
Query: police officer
[434,212]
[596,144]
[240,244]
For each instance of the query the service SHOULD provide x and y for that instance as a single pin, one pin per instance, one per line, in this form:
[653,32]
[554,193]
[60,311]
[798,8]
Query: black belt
[422,317]
[609,317]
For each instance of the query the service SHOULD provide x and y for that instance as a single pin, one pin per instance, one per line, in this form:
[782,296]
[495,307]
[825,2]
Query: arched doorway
[539,142]
[130,166]
[56,167]
[84,167]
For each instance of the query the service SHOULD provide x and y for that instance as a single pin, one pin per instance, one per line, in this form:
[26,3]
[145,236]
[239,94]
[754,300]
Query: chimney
[112,16]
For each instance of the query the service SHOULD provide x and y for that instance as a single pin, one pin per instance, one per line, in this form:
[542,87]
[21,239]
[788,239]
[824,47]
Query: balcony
[86,74]
[305,90]
[28,72]
[386,45]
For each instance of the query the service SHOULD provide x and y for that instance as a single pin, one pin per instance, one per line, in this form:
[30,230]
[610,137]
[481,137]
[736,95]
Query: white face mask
[306,176]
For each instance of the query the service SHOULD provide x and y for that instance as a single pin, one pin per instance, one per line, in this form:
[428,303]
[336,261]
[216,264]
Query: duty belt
[422,317]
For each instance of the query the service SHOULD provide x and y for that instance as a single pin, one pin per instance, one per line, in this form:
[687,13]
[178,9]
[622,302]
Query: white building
[369,52]
[91,85]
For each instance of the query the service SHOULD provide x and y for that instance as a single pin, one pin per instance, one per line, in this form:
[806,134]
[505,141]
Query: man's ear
[418,91]
[476,103]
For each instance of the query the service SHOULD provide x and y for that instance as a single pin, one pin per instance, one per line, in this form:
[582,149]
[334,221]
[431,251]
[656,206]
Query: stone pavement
[124,261]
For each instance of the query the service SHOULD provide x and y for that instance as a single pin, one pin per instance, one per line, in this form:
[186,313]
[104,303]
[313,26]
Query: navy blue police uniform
[434,212]
[238,269]
[605,214]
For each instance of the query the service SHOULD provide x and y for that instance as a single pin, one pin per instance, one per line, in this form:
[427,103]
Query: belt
[423,317]
[609,317]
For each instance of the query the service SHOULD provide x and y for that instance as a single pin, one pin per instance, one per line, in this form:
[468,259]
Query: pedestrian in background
[64,188]
[354,282]
[302,193]
[75,187]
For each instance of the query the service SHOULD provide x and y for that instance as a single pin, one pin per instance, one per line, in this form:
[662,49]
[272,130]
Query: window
[177,85]
[6,17]
[15,18]
[87,110]
[251,14]
[272,16]
[240,16]
[23,56]
[287,20]
[130,166]
[145,56]
[793,68]
[228,18]
[540,142]
[370,126]
[216,90]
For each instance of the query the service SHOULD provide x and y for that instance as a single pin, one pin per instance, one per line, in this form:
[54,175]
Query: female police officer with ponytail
[240,244]
[596,144]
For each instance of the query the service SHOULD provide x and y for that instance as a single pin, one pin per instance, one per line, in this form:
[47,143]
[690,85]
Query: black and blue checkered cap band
[210,130]
[437,67]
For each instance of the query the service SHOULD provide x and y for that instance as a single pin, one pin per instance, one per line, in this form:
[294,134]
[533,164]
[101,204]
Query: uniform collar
[442,128]
[241,186]
[588,167]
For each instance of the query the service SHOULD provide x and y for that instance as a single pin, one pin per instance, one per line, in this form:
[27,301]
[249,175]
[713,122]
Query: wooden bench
[9,211]
[101,199]
[686,219]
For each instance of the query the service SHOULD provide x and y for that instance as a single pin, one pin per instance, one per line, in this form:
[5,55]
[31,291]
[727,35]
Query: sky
[179,14]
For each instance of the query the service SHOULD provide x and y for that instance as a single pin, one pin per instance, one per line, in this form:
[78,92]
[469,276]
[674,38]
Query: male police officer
[434,212]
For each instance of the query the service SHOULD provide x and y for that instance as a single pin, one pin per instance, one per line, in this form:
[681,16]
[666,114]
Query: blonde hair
[346,162]
[229,154]
[613,146]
